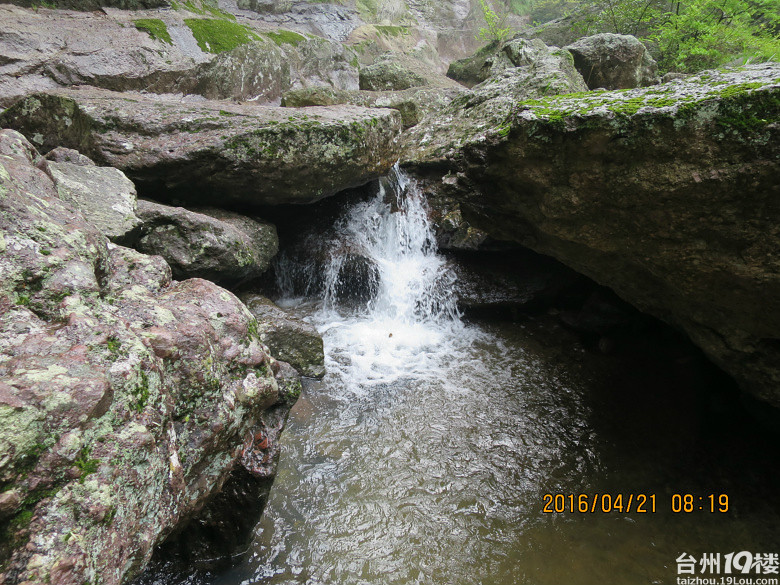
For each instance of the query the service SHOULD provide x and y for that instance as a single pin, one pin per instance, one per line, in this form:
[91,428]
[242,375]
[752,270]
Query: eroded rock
[207,243]
[125,397]
[667,195]
[202,150]
[527,69]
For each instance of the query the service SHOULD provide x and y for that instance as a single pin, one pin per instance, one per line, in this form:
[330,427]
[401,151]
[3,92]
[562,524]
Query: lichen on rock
[125,397]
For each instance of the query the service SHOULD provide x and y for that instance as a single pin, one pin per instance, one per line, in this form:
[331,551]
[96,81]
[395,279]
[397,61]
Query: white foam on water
[413,320]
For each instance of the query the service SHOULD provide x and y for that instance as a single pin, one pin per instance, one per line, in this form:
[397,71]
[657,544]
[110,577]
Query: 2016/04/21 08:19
[638,503]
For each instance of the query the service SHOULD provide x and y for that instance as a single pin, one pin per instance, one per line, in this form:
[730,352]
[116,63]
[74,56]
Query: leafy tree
[625,17]
[699,34]
[495,28]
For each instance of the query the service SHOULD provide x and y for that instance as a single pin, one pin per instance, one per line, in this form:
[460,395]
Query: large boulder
[611,61]
[126,398]
[289,339]
[667,194]
[395,71]
[196,151]
[413,104]
[208,243]
[521,70]
[264,69]
[104,195]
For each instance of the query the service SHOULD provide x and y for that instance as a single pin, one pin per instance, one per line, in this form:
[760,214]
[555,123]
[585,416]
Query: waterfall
[388,306]
[394,235]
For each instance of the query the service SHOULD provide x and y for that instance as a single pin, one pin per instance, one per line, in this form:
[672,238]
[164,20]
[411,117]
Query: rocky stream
[310,293]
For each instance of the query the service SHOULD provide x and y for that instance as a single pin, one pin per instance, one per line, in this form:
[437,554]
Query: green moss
[392,31]
[113,347]
[155,28]
[252,330]
[218,36]
[290,390]
[286,37]
[141,393]
[85,464]
[22,300]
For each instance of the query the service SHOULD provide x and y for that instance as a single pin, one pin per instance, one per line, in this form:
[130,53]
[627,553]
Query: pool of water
[426,454]
[439,476]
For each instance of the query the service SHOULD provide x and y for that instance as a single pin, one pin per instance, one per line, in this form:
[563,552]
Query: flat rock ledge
[669,195]
[199,150]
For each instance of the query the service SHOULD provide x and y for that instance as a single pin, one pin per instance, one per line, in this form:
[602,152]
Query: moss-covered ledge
[199,150]
[749,96]
[667,194]
[731,103]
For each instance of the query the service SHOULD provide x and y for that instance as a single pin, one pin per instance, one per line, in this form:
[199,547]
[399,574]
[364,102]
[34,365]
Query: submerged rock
[613,61]
[207,243]
[125,397]
[196,151]
[667,194]
[290,339]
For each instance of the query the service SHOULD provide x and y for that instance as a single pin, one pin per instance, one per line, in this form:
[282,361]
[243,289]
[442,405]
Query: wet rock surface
[195,151]
[206,243]
[499,283]
[126,397]
[666,194]
[290,339]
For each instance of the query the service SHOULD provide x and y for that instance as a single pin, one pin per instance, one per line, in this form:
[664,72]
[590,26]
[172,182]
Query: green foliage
[701,34]
[494,29]
[86,464]
[689,35]
[625,17]
[218,36]
[155,28]
[285,37]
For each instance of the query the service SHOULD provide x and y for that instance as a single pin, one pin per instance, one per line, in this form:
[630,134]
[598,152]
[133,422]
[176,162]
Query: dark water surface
[439,477]
[425,454]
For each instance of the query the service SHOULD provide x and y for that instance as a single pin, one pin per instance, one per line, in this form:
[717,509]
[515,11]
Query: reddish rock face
[125,396]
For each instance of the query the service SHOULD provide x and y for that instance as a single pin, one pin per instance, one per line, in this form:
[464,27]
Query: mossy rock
[219,36]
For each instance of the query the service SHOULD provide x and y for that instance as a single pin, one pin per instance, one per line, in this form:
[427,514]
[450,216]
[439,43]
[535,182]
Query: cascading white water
[424,455]
[413,315]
